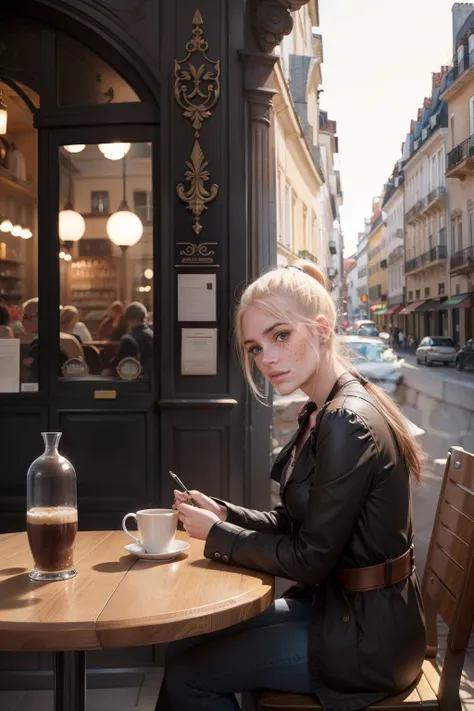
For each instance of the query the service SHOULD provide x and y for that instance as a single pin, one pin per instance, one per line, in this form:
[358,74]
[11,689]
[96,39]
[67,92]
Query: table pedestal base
[69,681]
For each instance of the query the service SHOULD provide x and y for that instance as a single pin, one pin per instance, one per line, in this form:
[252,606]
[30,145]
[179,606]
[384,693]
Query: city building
[458,94]
[377,263]
[331,198]
[297,78]
[350,298]
[393,207]
[361,306]
[426,250]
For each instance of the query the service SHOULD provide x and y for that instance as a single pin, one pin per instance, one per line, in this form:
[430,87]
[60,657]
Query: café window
[19,304]
[99,202]
[143,205]
[106,263]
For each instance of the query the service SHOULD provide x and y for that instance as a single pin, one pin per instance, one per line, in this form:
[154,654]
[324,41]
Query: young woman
[352,631]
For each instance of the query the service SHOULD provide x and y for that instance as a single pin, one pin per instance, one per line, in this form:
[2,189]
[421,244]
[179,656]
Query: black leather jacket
[346,504]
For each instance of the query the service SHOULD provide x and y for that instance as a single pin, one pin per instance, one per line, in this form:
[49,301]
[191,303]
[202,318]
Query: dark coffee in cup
[51,534]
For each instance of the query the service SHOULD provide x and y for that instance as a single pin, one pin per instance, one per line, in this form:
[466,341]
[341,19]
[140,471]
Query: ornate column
[270,21]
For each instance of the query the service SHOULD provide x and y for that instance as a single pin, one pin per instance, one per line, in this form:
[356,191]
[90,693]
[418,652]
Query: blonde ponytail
[410,450]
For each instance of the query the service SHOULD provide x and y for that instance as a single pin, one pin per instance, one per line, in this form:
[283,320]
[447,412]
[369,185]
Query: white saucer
[177,547]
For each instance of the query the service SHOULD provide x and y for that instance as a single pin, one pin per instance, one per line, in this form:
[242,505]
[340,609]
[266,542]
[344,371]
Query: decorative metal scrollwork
[197,86]
[197,196]
[197,91]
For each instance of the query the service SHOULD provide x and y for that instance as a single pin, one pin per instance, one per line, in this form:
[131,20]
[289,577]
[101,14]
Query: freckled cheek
[296,351]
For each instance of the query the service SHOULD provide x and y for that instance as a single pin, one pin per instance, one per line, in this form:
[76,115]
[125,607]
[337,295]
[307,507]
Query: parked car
[363,322]
[436,349]
[465,357]
[367,330]
[375,361]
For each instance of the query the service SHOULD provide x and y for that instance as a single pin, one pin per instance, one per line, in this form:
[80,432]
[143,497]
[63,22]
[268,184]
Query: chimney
[436,80]
[412,126]
[427,103]
[461,11]
[420,115]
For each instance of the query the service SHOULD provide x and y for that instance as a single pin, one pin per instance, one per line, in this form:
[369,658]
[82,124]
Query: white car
[375,361]
[436,349]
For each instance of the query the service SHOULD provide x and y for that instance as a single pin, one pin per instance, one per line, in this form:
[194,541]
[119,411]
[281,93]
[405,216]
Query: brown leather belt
[380,576]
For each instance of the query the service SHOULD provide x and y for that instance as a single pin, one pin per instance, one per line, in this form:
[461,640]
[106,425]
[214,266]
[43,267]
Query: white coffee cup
[157,528]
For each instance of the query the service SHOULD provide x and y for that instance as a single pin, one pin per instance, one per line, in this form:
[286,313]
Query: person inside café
[16,322]
[351,629]
[5,322]
[114,325]
[30,311]
[70,324]
[137,343]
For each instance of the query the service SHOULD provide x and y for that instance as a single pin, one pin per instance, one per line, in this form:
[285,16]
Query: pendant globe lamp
[124,229]
[114,151]
[71,223]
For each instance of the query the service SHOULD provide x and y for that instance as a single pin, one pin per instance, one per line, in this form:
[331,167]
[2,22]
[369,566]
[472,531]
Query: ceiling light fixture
[114,151]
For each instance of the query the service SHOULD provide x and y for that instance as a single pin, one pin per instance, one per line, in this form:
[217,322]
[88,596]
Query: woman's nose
[269,357]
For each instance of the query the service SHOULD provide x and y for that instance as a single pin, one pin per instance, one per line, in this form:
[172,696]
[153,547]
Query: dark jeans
[266,652]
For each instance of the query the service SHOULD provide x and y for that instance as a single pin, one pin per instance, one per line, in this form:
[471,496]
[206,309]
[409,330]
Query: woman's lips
[279,376]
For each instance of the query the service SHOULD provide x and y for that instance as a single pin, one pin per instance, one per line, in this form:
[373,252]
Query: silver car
[436,349]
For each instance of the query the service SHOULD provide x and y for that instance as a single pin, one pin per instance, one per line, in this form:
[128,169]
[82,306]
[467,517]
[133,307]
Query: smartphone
[181,486]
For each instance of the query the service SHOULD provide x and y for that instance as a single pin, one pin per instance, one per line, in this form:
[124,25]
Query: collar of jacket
[306,411]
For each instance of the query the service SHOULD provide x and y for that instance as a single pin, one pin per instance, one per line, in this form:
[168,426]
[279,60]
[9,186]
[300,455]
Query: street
[440,372]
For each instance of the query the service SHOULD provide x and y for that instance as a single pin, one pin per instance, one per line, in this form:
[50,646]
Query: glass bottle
[51,518]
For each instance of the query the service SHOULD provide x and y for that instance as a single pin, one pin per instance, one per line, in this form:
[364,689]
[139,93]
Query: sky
[379,56]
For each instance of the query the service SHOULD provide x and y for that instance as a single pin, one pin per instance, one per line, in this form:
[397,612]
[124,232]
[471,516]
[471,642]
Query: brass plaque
[105,394]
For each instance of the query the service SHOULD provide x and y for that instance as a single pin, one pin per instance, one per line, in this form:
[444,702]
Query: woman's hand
[203,501]
[197,522]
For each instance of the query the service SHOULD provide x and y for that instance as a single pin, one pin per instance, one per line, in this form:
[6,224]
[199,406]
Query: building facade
[299,175]
[361,307]
[331,198]
[393,206]
[426,249]
[458,93]
[377,263]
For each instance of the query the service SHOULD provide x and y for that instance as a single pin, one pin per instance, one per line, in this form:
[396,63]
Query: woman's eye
[254,350]
[282,336]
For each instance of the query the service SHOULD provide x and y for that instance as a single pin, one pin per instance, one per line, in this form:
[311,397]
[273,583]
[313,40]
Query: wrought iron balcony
[435,254]
[436,198]
[332,247]
[462,261]
[460,161]
[413,212]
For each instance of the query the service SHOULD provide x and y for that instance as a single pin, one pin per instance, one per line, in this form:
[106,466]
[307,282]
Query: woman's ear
[323,329]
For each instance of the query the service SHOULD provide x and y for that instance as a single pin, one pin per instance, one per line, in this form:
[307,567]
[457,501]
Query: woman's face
[286,353]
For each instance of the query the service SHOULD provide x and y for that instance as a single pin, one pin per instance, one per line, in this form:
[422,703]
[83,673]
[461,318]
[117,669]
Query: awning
[431,305]
[460,301]
[411,307]
[375,307]
[380,311]
[392,310]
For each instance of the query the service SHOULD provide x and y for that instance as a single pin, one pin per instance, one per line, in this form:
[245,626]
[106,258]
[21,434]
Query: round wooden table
[117,600]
